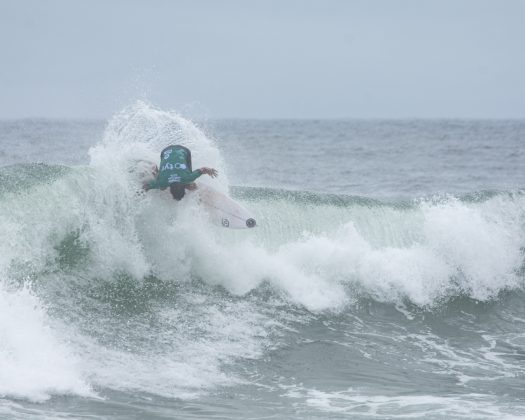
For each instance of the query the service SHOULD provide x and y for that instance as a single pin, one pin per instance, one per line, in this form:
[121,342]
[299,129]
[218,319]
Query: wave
[320,251]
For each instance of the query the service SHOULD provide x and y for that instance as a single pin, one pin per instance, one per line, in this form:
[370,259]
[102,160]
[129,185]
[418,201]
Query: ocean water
[385,278]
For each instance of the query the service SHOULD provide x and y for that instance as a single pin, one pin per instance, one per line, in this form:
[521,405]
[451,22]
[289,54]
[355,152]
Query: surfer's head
[177,190]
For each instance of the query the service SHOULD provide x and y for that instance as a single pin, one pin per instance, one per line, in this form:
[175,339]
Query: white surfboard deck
[223,210]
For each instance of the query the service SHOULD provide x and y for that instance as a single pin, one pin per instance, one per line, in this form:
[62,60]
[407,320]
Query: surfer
[175,172]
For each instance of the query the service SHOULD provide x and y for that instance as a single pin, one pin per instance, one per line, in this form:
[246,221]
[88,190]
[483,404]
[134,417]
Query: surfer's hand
[155,170]
[145,186]
[209,171]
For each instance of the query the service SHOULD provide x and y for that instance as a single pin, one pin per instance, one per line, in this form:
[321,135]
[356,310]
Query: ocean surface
[385,278]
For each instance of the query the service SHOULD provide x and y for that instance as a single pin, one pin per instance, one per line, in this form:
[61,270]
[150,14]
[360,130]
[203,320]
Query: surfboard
[223,210]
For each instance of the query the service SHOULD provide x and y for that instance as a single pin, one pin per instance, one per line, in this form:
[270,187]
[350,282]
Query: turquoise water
[384,279]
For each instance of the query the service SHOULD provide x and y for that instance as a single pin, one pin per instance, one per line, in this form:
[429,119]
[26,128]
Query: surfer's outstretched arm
[209,171]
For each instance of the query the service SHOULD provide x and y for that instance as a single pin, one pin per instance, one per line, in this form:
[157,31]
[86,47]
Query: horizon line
[349,118]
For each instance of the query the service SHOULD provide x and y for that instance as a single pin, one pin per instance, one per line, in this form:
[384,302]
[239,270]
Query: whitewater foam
[34,362]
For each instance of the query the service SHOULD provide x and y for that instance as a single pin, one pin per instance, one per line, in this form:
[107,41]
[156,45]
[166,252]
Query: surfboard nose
[250,223]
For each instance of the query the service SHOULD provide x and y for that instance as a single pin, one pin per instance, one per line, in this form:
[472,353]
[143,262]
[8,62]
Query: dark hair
[177,190]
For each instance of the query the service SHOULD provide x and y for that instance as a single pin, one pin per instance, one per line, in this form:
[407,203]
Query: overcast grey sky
[264,59]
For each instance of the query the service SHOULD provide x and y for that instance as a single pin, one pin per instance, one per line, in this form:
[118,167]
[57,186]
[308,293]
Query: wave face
[126,294]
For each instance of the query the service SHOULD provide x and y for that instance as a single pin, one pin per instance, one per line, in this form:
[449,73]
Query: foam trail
[351,402]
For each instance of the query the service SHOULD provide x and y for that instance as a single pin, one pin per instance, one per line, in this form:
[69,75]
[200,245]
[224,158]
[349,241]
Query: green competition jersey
[174,167]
